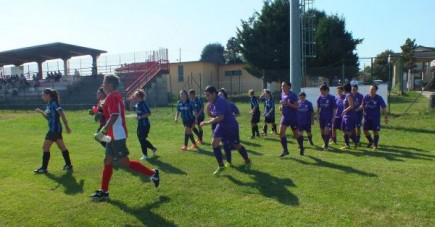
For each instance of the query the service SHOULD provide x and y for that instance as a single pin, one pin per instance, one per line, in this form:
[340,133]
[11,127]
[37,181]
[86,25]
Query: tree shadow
[347,169]
[245,142]
[269,186]
[144,214]
[68,181]
[165,167]
[407,129]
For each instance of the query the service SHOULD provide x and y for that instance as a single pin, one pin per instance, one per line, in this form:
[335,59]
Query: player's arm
[350,107]
[215,120]
[384,111]
[111,121]
[41,112]
[176,116]
[65,122]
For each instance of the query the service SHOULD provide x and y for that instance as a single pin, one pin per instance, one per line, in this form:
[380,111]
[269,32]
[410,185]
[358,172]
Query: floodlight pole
[295,47]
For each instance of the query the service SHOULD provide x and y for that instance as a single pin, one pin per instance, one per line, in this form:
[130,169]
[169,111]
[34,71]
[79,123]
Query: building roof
[421,54]
[45,52]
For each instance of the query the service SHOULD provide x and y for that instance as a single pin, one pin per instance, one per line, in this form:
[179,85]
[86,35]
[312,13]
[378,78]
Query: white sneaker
[144,157]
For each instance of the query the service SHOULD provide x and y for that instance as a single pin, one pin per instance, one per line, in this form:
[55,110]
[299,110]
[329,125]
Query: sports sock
[138,167]
[195,130]
[244,154]
[186,139]
[257,131]
[310,138]
[358,138]
[326,140]
[192,139]
[227,150]
[265,129]
[45,159]
[300,140]
[284,143]
[148,144]
[218,154]
[369,138]
[66,157]
[253,131]
[376,140]
[201,132]
[346,140]
[105,178]
[274,127]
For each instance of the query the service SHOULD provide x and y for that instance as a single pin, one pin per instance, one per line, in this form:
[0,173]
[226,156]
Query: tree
[408,59]
[213,52]
[264,41]
[334,47]
[232,53]
[381,67]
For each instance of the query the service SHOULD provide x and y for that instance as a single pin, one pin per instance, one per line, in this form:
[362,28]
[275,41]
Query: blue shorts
[305,127]
[372,123]
[337,123]
[325,123]
[348,123]
[289,122]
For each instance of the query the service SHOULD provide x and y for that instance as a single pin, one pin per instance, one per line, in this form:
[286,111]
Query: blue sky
[139,25]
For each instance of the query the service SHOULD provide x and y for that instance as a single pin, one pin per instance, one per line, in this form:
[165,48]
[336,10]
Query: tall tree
[232,53]
[381,67]
[213,52]
[408,59]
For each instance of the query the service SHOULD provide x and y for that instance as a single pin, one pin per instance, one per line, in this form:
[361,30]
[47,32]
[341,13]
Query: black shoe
[67,167]
[301,151]
[284,153]
[369,145]
[156,178]
[40,170]
[99,195]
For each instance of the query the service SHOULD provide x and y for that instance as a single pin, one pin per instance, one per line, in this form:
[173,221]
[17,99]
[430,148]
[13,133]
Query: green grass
[392,186]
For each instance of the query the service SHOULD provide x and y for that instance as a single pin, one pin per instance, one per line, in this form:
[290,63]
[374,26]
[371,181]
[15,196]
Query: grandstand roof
[45,52]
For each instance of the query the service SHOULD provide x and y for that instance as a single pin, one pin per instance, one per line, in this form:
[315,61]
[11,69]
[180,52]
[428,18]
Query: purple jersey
[327,105]
[339,101]
[357,101]
[290,98]
[305,109]
[372,105]
[234,108]
[221,107]
[350,113]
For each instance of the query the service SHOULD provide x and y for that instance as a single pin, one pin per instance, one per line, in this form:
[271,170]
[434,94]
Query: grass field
[393,186]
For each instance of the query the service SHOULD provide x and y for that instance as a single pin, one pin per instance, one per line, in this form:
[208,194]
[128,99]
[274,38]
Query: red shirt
[114,104]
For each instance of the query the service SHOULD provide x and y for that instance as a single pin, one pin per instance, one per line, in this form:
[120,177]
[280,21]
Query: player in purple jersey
[255,114]
[269,111]
[305,120]
[372,105]
[226,131]
[357,99]
[288,107]
[336,123]
[53,114]
[326,108]
[199,114]
[233,106]
[348,121]
[185,107]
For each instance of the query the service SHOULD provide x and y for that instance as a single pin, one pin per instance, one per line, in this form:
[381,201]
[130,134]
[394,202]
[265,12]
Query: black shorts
[189,123]
[269,120]
[143,130]
[255,118]
[53,136]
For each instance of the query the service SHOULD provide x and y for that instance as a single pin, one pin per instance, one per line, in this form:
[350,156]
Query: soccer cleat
[184,148]
[198,141]
[99,195]
[252,137]
[144,157]
[218,171]
[67,167]
[248,166]
[156,178]
[345,147]
[194,146]
[284,153]
[154,151]
[375,148]
[301,151]
[40,170]
[228,164]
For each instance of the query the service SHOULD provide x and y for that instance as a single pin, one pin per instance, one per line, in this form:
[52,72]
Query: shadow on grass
[165,167]
[417,130]
[269,186]
[248,143]
[144,214]
[319,162]
[68,181]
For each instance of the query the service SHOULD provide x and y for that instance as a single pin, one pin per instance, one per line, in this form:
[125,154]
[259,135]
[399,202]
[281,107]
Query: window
[233,73]
[180,73]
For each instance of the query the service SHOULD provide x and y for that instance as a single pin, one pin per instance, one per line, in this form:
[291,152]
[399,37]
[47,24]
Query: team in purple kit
[336,124]
[288,107]
[326,107]
[357,99]
[348,120]
[305,120]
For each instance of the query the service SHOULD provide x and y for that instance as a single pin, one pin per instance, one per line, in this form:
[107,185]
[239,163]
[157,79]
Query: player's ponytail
[52,93]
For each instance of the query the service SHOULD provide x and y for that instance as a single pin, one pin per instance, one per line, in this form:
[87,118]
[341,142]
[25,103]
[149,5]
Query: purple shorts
[358,120]
[289,122]
[230,135]
[305,127]
[325,123]
[337,123]
[347,123]
[372,123]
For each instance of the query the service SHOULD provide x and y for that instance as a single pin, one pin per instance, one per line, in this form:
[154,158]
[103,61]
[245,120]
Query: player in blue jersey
[269,111]
[372,105]
[357,99]
[186,108]
[255,114]
[348,117]
[289,110]
[326,108]
[53,113]
[226,131]
[336,124]
[97,111]
[305,120]
[198,105]
[143,113]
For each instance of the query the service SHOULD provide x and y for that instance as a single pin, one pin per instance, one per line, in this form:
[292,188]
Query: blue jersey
[290,98]
[255,104]
[222,107]
[53,117]
[269,104]
[305,109]
[186,110]
[327,105]
[198,105]
[372,105]
[339,101]
[357,101]
[142,108]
